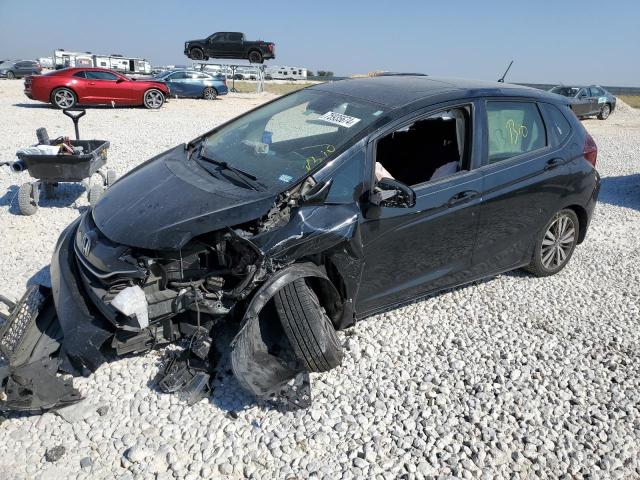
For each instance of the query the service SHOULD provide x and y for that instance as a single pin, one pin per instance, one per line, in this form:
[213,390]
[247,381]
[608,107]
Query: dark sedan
[588,101]
[19,68]
[194,84]
[305,215]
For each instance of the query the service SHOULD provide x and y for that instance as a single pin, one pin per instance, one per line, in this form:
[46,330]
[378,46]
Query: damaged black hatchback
[319,208]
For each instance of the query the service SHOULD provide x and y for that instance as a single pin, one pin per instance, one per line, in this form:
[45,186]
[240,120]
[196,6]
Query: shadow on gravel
[66,195]
[623,191]
[89,107]
[33,105]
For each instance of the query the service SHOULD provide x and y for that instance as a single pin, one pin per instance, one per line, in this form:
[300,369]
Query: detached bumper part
[29,362]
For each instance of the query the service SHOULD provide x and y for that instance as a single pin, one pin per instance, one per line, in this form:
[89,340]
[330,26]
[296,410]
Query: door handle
[462,197]
[92,83]
[553,163]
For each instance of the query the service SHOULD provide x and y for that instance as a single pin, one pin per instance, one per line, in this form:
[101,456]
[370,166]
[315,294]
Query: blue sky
[563,41]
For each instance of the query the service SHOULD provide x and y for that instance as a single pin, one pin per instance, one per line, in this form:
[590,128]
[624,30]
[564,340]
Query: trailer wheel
[111,177]
[27,199]
[95,193]
[196,53]
[210,93]
[307,327]
[255,56]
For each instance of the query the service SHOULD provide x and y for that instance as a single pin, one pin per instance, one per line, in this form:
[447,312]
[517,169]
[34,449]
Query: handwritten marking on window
[516,132]
[312,161]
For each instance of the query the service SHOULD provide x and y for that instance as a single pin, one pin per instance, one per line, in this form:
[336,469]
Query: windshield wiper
[245,177]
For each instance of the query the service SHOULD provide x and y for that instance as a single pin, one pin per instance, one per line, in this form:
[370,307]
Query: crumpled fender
[84,329]
[257,369]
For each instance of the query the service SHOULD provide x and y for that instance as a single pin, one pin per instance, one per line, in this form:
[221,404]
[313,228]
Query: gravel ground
[513,377]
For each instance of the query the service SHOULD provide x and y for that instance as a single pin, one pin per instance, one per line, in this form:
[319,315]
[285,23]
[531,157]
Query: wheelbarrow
[76,161]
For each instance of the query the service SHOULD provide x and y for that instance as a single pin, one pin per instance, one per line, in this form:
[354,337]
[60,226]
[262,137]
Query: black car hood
[168,200]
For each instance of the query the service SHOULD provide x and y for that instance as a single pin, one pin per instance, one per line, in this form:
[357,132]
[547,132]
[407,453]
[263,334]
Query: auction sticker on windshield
[339,119]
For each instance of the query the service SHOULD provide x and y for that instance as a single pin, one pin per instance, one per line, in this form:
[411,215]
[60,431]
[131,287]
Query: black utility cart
[50,170]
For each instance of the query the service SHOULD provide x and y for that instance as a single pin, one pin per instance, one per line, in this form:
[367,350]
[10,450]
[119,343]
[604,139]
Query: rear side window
[79,74]
[557,124]
[514,128]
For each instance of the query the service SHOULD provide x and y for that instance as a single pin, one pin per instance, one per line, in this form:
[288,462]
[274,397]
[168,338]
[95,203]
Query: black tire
[153,99]
[541,268]
[11,75]
[95,193]
[63,98]
[255,57]
[196,53]
[209,93]
[307,327]
[605,112]
[27,199]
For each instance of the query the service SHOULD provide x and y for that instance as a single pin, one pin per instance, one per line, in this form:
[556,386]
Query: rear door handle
[92,83]
[553,163]
[462,197]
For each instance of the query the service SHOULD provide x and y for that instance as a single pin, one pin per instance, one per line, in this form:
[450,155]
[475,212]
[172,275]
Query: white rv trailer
[286,73]
[64,59]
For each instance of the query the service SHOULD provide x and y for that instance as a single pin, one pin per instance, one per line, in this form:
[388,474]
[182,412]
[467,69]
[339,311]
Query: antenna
[501,79]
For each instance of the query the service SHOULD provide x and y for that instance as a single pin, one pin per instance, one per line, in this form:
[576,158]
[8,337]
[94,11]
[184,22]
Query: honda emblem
[86,245]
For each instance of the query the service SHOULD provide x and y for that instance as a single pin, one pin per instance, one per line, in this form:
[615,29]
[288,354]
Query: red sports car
[93,86]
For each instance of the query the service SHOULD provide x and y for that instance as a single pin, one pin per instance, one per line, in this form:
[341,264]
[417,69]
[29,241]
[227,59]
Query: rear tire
[555,244]
[255,57]
[209,93]
[307,327]
[11,75]
[605,112]
[196,53]
[153,99]
[63,98]
[27,199]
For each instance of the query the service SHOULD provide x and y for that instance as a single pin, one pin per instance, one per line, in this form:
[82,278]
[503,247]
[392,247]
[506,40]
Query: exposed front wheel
[605,112]
[307,327]
[63,98]
[555,246]
[153,99]
[210,93]
[196,53]
[255,57]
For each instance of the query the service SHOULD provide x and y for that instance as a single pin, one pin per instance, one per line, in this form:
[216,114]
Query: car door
[523,180]
[103,87]
[582,104]
[599,98]
[235,45]
[412,251]
[219,45]
[177,83]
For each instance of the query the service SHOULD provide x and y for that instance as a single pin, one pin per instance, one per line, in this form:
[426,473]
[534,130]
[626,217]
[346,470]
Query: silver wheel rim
[63,98]
[605,111]
[209,94]
[153,99]
[557,242]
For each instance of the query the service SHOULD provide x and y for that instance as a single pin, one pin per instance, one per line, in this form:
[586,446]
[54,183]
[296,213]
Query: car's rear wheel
[210,93]
[63,98]
[307,327]
[153,99]
[556,244]
[255,57]
[605,112]
[196,53]
[11,75]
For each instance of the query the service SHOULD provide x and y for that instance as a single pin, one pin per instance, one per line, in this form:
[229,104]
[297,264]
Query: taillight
[271,47]
[590,150]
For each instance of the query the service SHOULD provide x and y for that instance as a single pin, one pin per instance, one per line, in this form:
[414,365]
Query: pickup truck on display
[230,45]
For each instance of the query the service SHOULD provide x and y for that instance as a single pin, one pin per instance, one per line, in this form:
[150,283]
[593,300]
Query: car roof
[395,91]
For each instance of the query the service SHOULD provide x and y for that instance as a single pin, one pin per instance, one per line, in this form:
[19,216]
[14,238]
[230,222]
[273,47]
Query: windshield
[283,141]
[565,91]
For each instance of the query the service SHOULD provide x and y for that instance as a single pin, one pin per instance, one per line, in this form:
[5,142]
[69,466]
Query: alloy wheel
[64,99]
[209,93]
[605,112]
[558,242]
[153,99]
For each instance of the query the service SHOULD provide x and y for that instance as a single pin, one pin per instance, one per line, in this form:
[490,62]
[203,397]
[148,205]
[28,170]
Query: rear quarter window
[558,126]
[513,128]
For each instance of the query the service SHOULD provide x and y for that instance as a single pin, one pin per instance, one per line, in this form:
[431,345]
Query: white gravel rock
[510,377]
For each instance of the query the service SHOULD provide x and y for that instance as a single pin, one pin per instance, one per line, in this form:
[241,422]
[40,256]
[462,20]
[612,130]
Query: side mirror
[317,194]
[392,193]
